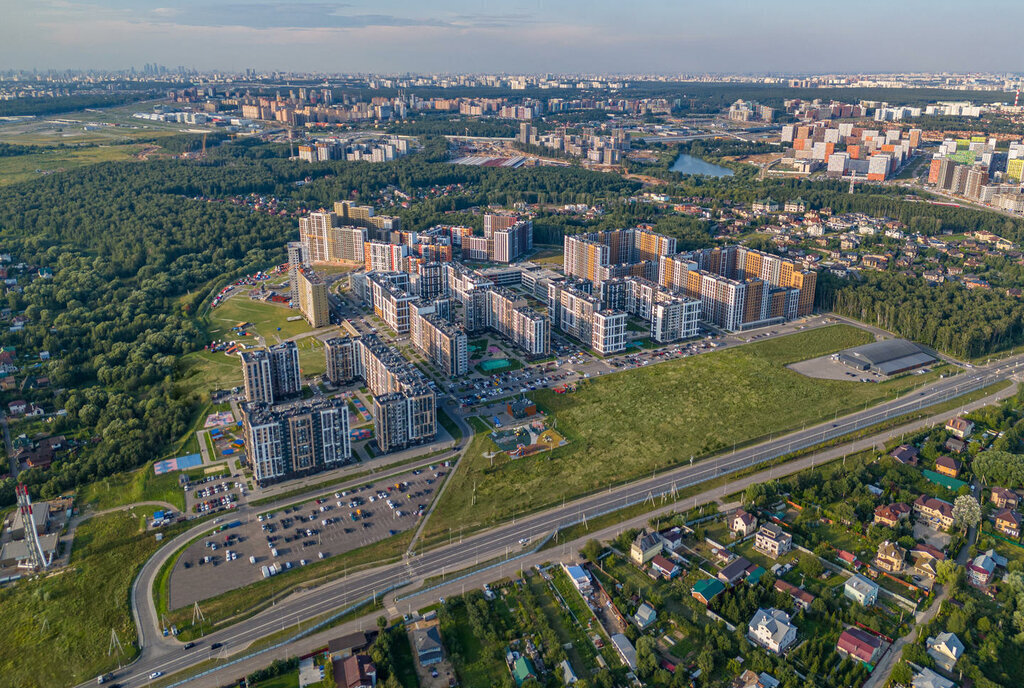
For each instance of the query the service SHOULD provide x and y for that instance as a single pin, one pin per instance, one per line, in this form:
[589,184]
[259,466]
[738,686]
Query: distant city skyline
[528,36]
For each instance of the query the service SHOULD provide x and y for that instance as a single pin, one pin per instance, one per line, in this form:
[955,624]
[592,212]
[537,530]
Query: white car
[155,674]
[524,541]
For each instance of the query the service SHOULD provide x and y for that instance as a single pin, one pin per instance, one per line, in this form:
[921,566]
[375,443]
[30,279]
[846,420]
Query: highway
[166,654]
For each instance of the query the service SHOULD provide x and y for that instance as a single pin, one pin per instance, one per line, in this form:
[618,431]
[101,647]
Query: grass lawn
[289,680]
[57,629]
[475,666]
[312,360]
[629,424]
[202,371]
[21,168]
[265,319]
[141,485]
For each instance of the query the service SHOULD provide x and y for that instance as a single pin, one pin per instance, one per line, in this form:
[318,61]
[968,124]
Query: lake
[687,164]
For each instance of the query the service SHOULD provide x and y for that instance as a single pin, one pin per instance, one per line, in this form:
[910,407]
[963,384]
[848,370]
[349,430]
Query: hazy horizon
[394,36]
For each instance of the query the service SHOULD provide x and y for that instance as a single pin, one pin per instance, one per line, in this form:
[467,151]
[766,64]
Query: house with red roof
[859,645]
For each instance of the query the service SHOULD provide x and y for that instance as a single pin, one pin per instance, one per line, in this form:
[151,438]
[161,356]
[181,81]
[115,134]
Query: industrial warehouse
[887,357]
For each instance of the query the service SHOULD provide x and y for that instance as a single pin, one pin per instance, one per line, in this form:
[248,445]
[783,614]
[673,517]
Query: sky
[516,36]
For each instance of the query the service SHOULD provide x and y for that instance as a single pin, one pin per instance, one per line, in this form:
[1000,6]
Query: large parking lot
[301,534]
[213,494]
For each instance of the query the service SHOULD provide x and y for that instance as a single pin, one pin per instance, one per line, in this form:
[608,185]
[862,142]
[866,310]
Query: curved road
[165,654]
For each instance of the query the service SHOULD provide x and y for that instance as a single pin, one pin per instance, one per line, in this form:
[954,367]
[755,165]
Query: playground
[527,439]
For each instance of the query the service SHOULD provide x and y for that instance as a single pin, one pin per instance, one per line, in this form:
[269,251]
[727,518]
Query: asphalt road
[166,655]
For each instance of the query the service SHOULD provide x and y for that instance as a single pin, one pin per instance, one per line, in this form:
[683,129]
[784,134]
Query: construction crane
[36,557]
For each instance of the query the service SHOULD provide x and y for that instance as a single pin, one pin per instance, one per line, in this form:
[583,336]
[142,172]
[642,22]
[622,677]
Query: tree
[811,567]
[966,512]
[1000,468]
[947,571]
[901,675]
[382,622]
[592,550]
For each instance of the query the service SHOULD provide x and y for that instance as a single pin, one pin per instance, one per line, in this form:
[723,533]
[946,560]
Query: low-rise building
[960,427]
[982,569]
[645,616]
[644,548]
[1007,522]
[743,523]
[1004,498]
[772,630]
[947,466]
[935,512]
[945,649]
[926,678]
[891,557]
[859,645]
[905,454]
[580,578]
[664,567]
[924,559]
[734,571]
[426,641]
[707,589]
[891,514]
[801,598]
[772,541]
[861,590]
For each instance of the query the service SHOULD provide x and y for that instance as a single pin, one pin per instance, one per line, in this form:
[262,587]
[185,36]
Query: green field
[625,426]
[265,319]
[57,629]
[21,168]
[129,488]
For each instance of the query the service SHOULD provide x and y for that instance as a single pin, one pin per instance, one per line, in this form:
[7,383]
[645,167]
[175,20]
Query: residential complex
[598,256]
[845,150]
[443,342]
[405,406]
[295,439]
[271,374]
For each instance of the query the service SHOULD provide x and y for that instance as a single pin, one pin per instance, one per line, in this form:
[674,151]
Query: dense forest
[52,106]
[130,263]
[453,125]
[965,323]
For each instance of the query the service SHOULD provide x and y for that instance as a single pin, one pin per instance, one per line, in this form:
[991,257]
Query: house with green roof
[707,589]
[523,669]
[951,484]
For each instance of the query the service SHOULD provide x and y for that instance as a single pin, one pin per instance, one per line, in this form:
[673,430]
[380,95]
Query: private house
[859,645]
[891,557]
[522,669]
[347,645]
[672,538]
[580,579]
[734,571]
[926,678]
[772,540]
[961,428]
[625,649]
[426,642]
[955,445]
[707,589]
[935,512]
[905,454]
[924,559]
[1004,498]
[945,649]
[748,679]
[357,671]
[947,466]
[848,558]
[891,514]
[742,524]
[644,548]
[981,570]
[861,590]
[645,616]
[661,566]
[772,630]
[801,598]
[1007,522]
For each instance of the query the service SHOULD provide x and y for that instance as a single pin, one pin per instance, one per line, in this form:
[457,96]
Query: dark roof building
[887,357]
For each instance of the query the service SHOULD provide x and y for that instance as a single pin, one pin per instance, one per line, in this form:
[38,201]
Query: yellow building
[313,299]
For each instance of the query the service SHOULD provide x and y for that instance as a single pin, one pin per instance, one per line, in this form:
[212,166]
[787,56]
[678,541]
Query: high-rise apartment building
[390,298]
[580,314]
[364,216]
[443,342]
[295,439]
[507,237]
[341,364]
[326,240]
[381,256]
[313,302]
[271,374]
[511,317]
[616,253]
[296,259]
